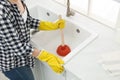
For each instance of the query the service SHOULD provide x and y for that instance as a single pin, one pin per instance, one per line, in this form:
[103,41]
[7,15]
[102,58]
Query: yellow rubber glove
[46,25]
[53,61]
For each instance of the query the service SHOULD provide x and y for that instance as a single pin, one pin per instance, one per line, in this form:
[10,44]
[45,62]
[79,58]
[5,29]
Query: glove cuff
[42,55]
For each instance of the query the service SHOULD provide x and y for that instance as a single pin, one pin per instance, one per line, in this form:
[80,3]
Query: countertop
[85,64]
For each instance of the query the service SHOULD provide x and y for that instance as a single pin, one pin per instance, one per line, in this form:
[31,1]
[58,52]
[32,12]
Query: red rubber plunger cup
[63,49]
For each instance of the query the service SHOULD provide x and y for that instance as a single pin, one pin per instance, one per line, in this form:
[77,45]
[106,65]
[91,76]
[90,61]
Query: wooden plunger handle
[62,34]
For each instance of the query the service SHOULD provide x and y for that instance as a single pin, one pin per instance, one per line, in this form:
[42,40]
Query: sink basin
[76,36]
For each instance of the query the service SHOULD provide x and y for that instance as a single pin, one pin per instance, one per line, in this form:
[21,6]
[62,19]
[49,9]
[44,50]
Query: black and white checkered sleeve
[11,39]
[34,23]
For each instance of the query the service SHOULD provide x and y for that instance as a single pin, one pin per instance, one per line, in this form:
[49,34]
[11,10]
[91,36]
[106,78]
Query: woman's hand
[55,62]
[52,60]
[47,25]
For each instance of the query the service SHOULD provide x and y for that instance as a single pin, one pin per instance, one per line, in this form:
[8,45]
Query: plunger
[62,49]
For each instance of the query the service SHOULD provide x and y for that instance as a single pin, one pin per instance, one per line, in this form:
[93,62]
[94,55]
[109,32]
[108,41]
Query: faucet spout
[69,11]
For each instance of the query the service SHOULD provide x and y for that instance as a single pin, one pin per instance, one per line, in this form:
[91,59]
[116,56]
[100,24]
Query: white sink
[76,36]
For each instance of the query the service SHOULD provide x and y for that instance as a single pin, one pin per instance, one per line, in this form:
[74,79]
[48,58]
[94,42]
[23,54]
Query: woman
[16,53]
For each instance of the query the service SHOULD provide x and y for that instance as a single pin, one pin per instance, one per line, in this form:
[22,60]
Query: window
[80,5]
[104,11]
[60,1]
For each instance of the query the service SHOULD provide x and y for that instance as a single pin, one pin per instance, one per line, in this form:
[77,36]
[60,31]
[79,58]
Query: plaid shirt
[15,47]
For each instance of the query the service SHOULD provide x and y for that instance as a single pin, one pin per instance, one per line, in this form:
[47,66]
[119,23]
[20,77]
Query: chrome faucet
[69,11]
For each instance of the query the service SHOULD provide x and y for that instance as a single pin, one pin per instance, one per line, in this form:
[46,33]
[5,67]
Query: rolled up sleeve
[33,23]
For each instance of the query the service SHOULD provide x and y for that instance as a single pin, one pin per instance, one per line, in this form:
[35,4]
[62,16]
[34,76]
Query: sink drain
[48,14]
[78,30]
